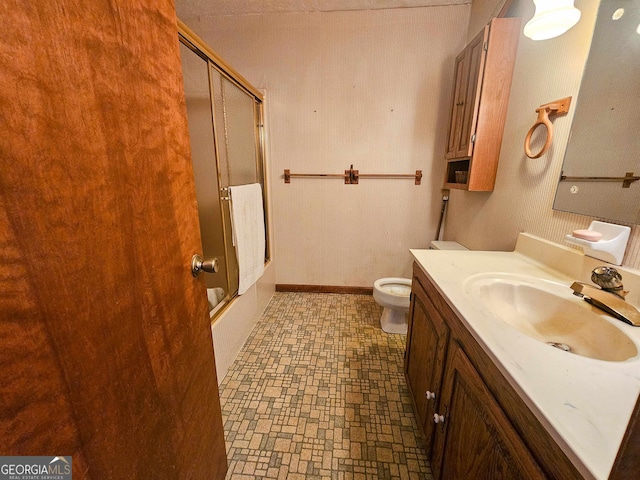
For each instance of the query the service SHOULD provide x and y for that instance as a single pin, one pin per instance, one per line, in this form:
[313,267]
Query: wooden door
[106,344]
[461,76]
[476,440]
[468,75]
[426,348]
[475,53]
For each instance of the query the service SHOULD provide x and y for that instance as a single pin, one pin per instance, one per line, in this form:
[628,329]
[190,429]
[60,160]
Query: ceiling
[200,8]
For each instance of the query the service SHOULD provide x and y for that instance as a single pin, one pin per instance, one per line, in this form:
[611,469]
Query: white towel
[247,219]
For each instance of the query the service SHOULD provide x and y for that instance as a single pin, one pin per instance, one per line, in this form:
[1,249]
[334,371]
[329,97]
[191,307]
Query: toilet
[393,295]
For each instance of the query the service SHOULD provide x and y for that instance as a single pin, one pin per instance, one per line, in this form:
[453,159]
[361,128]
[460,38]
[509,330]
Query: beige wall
[482,11]
[525,188]
[372,89]
[368,88]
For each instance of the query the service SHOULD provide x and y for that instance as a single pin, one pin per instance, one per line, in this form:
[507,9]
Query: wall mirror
[604,144]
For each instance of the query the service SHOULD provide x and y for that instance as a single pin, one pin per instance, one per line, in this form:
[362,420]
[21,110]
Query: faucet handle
[609,279]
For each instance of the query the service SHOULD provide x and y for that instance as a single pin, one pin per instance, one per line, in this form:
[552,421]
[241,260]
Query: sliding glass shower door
[197,90]
[225,129]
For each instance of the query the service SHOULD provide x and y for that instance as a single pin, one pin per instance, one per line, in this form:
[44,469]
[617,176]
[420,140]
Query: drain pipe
[445,199]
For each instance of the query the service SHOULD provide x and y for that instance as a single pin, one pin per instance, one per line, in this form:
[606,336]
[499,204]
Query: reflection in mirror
[604,144]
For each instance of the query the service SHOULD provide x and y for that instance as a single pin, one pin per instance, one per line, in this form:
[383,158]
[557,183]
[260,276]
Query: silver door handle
[198,265]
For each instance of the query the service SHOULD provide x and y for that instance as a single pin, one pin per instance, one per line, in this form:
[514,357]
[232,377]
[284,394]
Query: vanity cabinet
[426,348]
[482,82]
[476,440]
[475,425]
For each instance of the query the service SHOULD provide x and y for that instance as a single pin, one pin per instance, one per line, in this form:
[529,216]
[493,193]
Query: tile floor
[318,392]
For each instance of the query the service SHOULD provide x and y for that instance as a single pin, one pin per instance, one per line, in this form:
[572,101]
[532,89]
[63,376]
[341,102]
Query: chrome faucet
[610,297]
[609,279]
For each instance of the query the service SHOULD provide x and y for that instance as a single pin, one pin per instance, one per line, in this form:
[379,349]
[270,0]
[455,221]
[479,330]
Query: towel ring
[543,119]
[544,112]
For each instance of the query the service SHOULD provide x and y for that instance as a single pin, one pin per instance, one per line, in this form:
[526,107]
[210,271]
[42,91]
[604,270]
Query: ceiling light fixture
[552,18]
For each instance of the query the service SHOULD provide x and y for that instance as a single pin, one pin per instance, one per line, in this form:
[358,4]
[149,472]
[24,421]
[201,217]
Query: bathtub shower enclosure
[225,117]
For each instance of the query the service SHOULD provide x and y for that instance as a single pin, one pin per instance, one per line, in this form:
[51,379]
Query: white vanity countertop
[584,403]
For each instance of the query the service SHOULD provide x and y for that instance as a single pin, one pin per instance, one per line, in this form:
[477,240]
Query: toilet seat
[392,292]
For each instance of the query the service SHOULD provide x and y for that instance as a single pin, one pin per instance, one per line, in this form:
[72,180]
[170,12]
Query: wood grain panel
[427,341]
[36,413]
[627,463]
[98,192]
[496,86]
[419,363]
[477,439]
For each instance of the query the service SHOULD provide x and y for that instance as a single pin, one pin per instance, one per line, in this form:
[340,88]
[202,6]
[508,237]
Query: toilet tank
[446,245]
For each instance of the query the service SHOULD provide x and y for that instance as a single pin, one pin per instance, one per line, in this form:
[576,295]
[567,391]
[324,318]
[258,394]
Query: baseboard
[284,287]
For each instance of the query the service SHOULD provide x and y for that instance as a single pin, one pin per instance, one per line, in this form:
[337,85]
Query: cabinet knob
[438,418]
[430,395]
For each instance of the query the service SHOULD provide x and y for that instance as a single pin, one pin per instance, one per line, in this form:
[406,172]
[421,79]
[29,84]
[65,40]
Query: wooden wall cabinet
[474,423]
[482,83]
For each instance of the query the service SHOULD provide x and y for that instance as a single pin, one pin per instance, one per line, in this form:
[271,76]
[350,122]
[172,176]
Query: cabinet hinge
[473,138]
[485,46]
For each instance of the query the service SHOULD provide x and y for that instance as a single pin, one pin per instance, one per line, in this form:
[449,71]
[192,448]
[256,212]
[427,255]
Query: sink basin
[547,311]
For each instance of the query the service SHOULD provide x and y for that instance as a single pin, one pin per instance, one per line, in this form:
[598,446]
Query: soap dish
[611,244]
[590,235]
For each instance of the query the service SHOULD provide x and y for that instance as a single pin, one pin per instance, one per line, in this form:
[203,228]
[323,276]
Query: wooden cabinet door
[460,78]
[476,440]
[475,53]
[106,341]
[426,348]
[468,83]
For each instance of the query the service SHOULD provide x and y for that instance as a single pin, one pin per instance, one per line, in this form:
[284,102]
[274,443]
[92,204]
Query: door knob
[198,265]
[430,395]
[438,418]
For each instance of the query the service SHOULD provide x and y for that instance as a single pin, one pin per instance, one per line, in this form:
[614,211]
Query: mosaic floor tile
[318,392]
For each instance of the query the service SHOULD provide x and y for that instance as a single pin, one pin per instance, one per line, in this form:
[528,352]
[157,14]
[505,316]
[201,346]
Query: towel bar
[351,176]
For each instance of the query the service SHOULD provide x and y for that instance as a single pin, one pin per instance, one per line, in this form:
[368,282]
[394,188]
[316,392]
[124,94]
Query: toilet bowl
[393,295]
